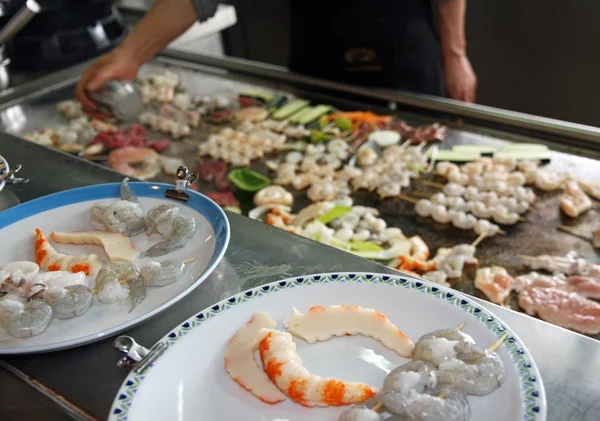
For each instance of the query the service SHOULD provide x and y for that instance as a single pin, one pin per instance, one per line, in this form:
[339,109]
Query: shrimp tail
[126,192]
[162,248]
[135,302]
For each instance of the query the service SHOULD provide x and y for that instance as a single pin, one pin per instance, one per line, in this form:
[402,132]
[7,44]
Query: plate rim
[532,388]
[103,191]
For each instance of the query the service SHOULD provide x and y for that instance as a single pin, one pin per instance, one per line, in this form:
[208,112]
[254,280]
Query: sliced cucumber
[455,156]
[482,149]
[525,155]
[314,113]
[296,117]
[335,213]
[385,138]
[290,109]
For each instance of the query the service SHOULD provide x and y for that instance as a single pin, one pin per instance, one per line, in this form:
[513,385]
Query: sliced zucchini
[525,155]
[455,156]
[296,117]
[258,93]
[314,113]
[290,109]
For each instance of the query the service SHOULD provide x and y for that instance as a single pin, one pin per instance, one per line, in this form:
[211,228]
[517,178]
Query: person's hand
[118,64]
[461,82]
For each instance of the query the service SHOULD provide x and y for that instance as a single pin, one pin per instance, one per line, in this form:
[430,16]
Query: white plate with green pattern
[189,382]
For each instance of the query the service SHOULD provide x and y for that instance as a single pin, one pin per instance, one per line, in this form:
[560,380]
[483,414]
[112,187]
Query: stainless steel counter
[88,377]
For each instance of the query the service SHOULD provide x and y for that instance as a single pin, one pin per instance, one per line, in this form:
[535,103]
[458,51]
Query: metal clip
[137,355]
[184,179]
[9,177]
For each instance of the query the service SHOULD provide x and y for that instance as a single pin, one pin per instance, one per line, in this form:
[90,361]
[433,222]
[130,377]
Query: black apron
[382,43]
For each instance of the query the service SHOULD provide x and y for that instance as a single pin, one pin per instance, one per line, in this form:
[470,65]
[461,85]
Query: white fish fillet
[241,365]
[118,246]
[321,324]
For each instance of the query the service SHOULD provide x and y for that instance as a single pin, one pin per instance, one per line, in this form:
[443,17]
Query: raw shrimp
[444,344]
[71,301]
[358,413]
[114,282]
[122,160]
[175,229]
[284,367]
[24,319]
[479,373]
[155,213]
[125,216]
[444,404]
[159,274]
[419,376]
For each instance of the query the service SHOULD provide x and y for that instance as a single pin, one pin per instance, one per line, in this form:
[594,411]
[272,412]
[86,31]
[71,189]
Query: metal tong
[137,355]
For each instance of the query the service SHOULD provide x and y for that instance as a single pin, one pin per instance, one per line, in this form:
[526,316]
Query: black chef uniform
[382,43]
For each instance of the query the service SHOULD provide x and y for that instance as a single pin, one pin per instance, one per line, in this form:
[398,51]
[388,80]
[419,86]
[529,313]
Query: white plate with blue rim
[189,382]
[4,169]
[70,211]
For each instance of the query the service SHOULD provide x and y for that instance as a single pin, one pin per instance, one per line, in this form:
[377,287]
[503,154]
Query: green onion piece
[365,246]
[248,180]
[333,214]
[343,123]
[416,167]
[319,137]
[233,209]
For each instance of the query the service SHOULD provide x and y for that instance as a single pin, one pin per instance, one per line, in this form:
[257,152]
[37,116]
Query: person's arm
[164,22]
[461,81]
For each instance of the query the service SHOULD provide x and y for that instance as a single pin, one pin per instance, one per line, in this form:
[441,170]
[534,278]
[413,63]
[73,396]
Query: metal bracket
[137,355]
[9,177]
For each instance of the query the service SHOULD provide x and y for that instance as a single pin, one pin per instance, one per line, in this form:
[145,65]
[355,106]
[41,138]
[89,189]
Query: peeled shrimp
[159,274]
[155,213]
[122,160]
[125,216]
[175,229]
[273,195]
[323,323]
[22,320]
[118,281]
[71,301]
[444,404]
[358,413]
[443,344]
[48,258]
[415,375]
[284,367]
[479,374]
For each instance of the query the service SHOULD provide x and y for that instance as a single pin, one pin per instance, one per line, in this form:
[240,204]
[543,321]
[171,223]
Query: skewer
[479,239]
[522,219]
[574,231]
[422,194]
[461,326]
[191,259]
[377,406]
[408,199]
[501,232]
[493,347]
[432,184]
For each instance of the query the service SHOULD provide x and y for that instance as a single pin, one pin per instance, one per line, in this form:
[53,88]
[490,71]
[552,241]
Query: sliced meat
[574,201]
[159,145]
[224,198]
[209,170]
[495,283]
[585,286]
[559,307]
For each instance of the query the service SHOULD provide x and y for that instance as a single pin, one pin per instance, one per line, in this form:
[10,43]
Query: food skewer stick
[408,199]
[422,194]
[432,184]
[493,347]
[461,326]
[574,231]
[191,259]
[479,239]
[377,406]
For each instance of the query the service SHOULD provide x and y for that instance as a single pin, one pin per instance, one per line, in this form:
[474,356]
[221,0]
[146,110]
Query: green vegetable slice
[296,118]
[524,147]
[365,246]
[525,155]
[333,214]
[258,93]
[233,209]
[277,102]
[248,180]
[290,109]
[456,156]
[319,137]
[314,113]
[343,123]
[482,149]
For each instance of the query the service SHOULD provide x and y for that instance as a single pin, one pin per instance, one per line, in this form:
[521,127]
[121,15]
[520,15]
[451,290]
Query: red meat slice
[224,198]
